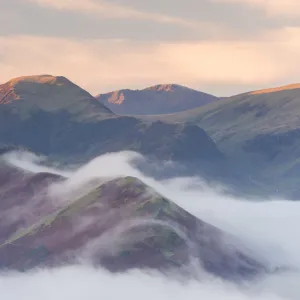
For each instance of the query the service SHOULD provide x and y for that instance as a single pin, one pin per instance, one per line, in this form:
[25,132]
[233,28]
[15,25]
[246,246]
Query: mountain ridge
[282,88]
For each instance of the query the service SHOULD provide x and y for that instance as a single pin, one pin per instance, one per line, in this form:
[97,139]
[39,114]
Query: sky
[222,47]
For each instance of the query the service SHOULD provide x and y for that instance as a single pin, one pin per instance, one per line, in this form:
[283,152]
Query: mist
[269,228]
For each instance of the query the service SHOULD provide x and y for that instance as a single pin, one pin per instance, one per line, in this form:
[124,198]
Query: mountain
[159,99]
[50,94]
[259,129]
[53,116]
[119,224]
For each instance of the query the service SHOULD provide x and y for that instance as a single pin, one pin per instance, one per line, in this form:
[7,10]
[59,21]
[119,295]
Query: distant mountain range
[159,99]
[53,116]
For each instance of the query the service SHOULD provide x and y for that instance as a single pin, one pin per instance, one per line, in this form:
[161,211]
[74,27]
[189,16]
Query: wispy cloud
[102,65]
[112,10]
[287,8]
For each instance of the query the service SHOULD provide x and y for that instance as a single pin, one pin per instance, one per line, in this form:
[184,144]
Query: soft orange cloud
[101,65]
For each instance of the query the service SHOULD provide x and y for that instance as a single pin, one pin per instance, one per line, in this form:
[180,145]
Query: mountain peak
[276,89]
[49,93]
[163,87]
[17,88]
[40,79]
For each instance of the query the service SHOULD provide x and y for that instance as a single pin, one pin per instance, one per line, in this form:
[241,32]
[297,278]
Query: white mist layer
[268,227]
[77,283]
[33,163]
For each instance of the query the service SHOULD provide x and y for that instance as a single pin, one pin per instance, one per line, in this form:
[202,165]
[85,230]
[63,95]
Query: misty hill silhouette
[119,224]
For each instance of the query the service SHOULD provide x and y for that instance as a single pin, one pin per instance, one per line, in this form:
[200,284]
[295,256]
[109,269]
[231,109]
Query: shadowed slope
[259,130]
[237,119]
